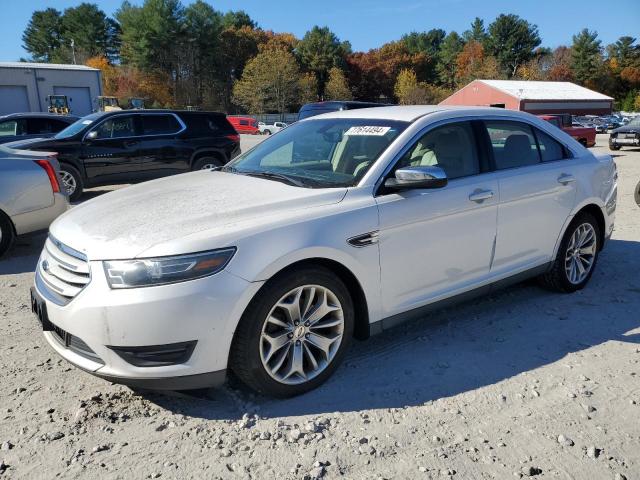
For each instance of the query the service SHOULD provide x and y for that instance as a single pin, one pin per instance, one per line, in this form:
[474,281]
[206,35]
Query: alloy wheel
[68,181]
[302,334]
[581,253]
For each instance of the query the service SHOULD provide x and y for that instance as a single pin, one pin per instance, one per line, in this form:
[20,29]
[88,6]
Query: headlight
[147,272]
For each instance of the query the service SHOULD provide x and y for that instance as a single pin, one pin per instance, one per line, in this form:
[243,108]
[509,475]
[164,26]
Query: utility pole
[73,50]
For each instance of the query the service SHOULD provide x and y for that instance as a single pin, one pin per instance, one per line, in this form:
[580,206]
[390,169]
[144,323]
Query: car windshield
[323,153]
[77,126]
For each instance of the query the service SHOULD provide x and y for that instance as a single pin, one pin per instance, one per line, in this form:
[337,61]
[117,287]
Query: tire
[583,142]
[71,180]
[7,234]
[614,147]
[206,163]
[255,363]
[559,278]
[636,194]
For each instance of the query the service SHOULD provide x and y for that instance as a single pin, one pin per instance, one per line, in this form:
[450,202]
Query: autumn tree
[560,65]
[308,86]
[319,51]
[512,41]
[270,82]
[472,63]
[337,87]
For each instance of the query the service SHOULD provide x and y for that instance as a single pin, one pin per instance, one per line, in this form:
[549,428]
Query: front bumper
[205,311]
[629,142]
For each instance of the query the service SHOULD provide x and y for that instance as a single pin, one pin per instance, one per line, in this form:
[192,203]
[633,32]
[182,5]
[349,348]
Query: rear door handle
[479,196]
[566,178]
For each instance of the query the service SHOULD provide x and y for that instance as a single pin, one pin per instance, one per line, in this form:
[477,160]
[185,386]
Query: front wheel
[577,256]
[614,147]
[294,333]
[636,194]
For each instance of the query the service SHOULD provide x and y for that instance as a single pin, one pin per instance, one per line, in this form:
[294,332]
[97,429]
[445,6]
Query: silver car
[30,193]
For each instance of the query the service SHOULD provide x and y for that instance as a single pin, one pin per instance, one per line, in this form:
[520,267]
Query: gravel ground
[522,383]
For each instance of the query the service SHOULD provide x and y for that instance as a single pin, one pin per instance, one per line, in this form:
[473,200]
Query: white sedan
[341,226]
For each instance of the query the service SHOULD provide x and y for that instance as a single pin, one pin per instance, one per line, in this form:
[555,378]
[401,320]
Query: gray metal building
[24,87]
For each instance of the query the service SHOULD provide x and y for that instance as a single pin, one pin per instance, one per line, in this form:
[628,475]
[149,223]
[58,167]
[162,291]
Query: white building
[24,87]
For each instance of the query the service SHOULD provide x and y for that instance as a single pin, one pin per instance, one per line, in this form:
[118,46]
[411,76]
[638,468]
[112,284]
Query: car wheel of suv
[7,234]
[614,147]
[207,163]
[71,181]
[576,257]
[294,333]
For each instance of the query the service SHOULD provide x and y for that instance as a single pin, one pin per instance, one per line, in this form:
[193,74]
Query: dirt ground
[521,383]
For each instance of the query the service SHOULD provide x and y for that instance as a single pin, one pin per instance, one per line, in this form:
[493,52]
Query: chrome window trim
[182,125]
[467,118]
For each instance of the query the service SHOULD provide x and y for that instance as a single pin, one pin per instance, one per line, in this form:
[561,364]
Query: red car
[245,125]
[585,135]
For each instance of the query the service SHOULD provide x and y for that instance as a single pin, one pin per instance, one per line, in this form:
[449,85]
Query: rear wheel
[614,147]
[7,234]
[207,163]
[71,181]
[637,194]
[577,256]
[294,333]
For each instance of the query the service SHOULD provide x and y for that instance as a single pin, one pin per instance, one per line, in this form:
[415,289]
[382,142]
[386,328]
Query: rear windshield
[313,111]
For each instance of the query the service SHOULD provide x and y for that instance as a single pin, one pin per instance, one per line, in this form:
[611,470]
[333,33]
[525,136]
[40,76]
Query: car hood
[182,214]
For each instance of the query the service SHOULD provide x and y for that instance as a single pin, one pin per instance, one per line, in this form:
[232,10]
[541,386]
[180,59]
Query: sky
[370,23]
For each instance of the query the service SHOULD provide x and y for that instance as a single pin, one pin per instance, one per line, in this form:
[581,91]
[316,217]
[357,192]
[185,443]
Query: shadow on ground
[460,349]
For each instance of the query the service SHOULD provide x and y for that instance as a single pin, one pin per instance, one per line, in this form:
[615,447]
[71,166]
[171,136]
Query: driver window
[451,147]
[116,127]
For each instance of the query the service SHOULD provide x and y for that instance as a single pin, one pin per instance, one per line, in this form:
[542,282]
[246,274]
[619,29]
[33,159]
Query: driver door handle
[480,196]
[566,178]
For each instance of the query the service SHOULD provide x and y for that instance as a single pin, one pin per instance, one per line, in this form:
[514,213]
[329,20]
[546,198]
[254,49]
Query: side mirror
[410,178]
[92,135]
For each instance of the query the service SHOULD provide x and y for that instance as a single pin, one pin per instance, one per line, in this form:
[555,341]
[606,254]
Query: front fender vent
[364,240]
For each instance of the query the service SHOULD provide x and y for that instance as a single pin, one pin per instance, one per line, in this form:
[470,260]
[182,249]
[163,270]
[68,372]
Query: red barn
[533,97]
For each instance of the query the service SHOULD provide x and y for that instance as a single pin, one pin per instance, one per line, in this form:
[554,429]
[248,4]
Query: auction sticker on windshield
[368,130]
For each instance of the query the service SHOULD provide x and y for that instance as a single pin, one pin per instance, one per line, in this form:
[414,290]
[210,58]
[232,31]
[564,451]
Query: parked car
[318,108]
[19,126]
[130,146]
[30,194]
[271,129]
[584,135]
[626,136]
[270,265]
[245,125]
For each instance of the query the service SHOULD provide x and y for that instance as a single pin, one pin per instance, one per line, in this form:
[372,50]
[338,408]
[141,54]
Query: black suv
[107,148]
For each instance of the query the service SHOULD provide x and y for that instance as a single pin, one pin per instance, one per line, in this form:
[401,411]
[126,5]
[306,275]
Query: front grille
[75,344]
[62,272]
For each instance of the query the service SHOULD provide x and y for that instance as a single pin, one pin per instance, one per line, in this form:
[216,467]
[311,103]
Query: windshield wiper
[275,176]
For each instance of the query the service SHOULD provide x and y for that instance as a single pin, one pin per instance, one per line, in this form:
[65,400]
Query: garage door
[13,99]
[80,99]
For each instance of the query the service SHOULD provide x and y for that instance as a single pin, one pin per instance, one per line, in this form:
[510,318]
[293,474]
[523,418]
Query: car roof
[70,118]
[410,113]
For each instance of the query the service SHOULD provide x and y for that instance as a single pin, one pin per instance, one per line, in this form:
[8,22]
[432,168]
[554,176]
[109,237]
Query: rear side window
[451,147]
[550,149]
[12,127]
[159,125]
[37,126]
[244,122]
[513,144]
[207,124]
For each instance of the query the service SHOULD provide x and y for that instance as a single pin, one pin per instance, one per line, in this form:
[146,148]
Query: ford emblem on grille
[45,265]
